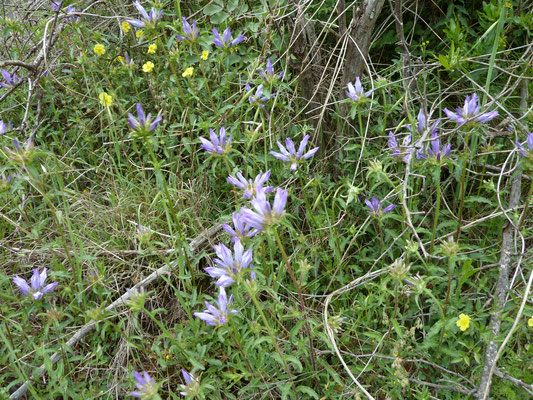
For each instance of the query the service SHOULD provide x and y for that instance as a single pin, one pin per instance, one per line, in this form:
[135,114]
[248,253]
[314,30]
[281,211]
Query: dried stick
[85,329]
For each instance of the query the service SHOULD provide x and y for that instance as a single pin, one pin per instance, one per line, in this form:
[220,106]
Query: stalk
[436,220]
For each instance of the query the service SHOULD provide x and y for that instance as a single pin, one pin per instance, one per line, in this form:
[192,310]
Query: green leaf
[212,9]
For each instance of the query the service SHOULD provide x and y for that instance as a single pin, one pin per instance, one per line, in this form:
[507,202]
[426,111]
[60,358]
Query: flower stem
[436,219]
[451,261]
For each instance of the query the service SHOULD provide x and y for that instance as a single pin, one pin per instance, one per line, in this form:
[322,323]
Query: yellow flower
[139,33]
[530,322]
[152,48]
[121,59]
[188,72]
[204,55]
[105,99]
[463,322]
[125,26]
[148,66]
[99,49]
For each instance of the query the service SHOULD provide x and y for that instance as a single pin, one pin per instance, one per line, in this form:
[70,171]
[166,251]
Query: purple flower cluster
[356,93]
[471,112]
[290,155]
[11,80]
[230,268]
[270,76]
[241,230]
[257,98]
[226,41]
[37,288]
[375,207]
[147,20]
[143,124]
[529,143]
[190,33]
[146,386]
[435,151]
[4,127]
[218,144]
[249,186]
[216,316]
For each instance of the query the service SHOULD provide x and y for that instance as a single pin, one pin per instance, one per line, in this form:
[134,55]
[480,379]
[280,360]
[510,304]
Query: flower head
[148,66]
[126,60]
[4,127]
[20,154]
[270,76]
[264,215]
[139,33]
[404,150]
[105,99]
[375,207]
[192,384]
[241,230]
[463,322]
[71,15]
[226,40]
[99,49]
[146,386]
[218,143]
[143,125]
[55,4]
[530,322]
[37,288]
[11,80]
[290,154]
[423,123]
[188,72]
[356,93]
[190,33]
[470,113]
[152,48]
[522,149]
[250,186]
[204,55]
[216,316]
[231,267]
[148,20]
[435,152]
[258,98]
[125,25]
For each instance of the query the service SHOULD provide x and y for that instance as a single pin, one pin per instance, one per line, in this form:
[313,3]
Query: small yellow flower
[148,66]
[99,49]
[530,322]
[204,55]
[105,99]
[125,26]
[121,59]
[188,72]
[463,322]
[152,48]
[139,33]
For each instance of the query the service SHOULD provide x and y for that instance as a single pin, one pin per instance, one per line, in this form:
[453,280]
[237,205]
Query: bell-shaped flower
[241,230]
[146,386]
[231,266]
[376,209]
[190,33]
[143,125]
[226,40]
[257,98]
[37,288]
[216,316]
[356,93]
[263,214]
[423,123]
[250,186]
[434,150]
[290,154]
[526,152]
[269,75]
[471,112]
[11,80]
[218,144]
[402,150]
[147,20]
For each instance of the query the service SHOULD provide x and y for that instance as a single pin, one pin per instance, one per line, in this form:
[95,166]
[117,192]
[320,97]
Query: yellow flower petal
[125,26]
[99,49]
[152,48]
[148,66]
[105,99]
[463,322]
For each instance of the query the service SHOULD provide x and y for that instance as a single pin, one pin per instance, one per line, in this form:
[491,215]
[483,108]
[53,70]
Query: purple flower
[216,316]
[11,80]
[218,144]
[127,61]
[190,33]
[37,281]
[270,76]
[404,150]
[146,386]
[192,385]
[258,98]
[290,154]
[231,267]
[241,231]
[4,127]
[55,4]
[375,207]
[435,151]
[522,150]
[264,215]
[72,18]
[19,153]
[226,39]
[144,125]
[357,93]
[148,20]
[423,121]
[250,186]
[470,112]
